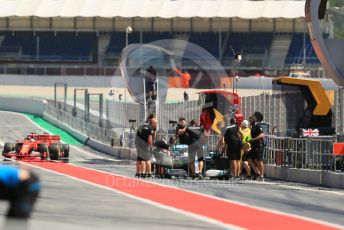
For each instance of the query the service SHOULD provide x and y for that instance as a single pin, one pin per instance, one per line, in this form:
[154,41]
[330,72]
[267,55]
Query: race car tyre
[65,148]
[43,150]
[18,147]
[54,151]
[8,147]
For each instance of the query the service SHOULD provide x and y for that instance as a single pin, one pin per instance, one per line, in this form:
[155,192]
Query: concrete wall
[314,177]
[73,81]
[36,106]
[122,153]
[76,134]
[22,105]
[118,152]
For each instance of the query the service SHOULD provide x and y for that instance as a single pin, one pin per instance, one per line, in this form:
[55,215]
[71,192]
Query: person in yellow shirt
[246,133]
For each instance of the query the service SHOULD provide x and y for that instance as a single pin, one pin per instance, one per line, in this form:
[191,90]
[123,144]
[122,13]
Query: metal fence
[106,136]
[87,68]
[273,107]
[119,113]
[275,112]
[305,153]
[338,113]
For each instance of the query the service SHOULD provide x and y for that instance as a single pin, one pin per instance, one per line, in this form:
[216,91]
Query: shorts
[143,155]
[195,151]
[255,155]
[245,157]
[234,154]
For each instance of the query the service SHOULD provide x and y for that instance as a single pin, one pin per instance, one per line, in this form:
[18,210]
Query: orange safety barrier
[338,148]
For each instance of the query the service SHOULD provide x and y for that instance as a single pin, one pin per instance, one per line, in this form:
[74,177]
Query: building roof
[153,8]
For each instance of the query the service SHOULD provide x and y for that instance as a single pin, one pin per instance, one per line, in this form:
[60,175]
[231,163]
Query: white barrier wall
[73,81]
[22,105]
[76,134]
[314,177]
[122,153]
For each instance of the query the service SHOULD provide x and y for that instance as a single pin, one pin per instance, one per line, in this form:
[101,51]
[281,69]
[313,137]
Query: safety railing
[306,153]
[106,136]
[210,142]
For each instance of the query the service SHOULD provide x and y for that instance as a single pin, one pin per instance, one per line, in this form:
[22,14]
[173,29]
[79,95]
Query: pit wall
[314,177]
[36,107]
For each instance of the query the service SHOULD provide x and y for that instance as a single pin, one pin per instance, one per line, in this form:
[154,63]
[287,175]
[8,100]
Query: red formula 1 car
[44,146]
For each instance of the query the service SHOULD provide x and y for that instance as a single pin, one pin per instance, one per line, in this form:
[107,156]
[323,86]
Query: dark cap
[151,70]
[258,116]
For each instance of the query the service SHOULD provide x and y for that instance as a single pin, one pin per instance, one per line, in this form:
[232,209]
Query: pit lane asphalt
[69,204]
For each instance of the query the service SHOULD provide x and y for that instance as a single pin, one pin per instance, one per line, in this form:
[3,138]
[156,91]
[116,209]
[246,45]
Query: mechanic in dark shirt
[21,188]
[233,139]
[144,140]
[195,148]
[191,136]
[151,83]
[257,146]
[181,131]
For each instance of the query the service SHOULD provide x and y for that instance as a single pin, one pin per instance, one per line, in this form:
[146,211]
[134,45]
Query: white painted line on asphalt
[71,146]
[178,211]
[218,198]
[296,187]
[225,200]
[253,182]
[186,213]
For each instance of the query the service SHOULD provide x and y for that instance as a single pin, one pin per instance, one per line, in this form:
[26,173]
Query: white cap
[245,123]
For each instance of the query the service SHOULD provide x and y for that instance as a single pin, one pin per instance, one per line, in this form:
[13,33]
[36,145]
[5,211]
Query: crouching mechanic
[21,188]
[246,147]
[161,149]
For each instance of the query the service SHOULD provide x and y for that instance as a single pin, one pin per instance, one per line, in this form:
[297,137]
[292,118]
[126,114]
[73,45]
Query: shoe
[261,178]
[137,174]
[142,175]
[200,176]
[148,175]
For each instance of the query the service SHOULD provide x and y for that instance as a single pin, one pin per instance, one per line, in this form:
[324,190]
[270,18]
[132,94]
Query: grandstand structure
[88,33]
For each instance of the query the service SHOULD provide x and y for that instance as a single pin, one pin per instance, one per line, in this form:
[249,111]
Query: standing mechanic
[144,140]
[21,188]
[246,133]
[257,144]
[195,148]
[191,136]
[233,139]
[151,83]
